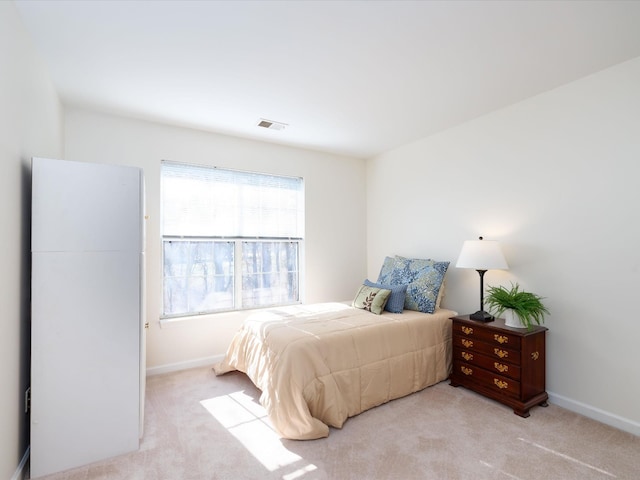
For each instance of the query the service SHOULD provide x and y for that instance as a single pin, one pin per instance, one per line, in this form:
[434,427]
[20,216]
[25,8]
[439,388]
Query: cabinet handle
[467,343]
[501,353]
[500,384]
[500,367]
[535,355]
[467,330]
[467,356]
[501,338]
[466,371]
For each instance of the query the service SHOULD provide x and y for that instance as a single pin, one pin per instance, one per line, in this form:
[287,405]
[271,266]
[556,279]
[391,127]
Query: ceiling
[354,78]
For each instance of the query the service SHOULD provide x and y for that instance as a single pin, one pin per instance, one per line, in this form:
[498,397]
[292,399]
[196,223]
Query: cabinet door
[85,381]
[84,207]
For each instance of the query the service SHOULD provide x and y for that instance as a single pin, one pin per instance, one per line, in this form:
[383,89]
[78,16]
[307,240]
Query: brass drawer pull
[500,384]
[501,353]
[467,356]
[535,355]
[467,343]
[500,367]
[500,338]
[466,371]
[467,330]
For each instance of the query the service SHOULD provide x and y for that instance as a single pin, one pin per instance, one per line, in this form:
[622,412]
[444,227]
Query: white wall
[555,179]
[335,214]
[30,125]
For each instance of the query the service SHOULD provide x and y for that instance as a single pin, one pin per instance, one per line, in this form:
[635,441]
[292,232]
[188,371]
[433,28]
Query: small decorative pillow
[371,299]
[395,303]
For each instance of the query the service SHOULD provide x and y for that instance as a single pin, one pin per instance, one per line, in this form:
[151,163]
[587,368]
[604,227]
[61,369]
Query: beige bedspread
[317,365]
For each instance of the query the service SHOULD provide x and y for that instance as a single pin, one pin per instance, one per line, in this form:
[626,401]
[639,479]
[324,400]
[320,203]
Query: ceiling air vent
[271,125]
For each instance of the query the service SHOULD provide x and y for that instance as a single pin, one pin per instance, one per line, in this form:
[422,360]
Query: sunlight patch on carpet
[567,457]
[488,465]
[247,421]
[300,472]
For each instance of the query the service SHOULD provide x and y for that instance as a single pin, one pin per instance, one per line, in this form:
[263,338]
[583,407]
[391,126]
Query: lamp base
[482,316]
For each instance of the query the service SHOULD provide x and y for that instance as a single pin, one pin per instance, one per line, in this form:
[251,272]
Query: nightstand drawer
[499,338]
[490,349]
[486,379]
[492,364]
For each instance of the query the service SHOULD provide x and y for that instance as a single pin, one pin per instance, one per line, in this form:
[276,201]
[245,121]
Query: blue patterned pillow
[422,277]
[389,266]
[395,302]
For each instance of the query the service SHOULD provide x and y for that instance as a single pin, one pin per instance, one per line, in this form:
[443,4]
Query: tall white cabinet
[87,378]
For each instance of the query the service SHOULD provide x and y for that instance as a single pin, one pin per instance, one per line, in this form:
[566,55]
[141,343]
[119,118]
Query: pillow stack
[423,279]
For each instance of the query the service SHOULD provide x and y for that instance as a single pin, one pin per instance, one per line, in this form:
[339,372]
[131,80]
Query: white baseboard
[596,414]
[175,367]
[21,471]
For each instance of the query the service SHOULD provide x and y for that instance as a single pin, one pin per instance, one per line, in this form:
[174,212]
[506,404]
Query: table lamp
[481,255]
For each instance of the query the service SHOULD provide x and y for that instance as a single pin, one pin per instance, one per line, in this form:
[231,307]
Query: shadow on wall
[25,300]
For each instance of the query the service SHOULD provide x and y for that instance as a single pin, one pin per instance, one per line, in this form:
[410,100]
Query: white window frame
[238,242]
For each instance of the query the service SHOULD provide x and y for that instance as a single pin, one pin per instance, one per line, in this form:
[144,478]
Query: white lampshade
[482,255]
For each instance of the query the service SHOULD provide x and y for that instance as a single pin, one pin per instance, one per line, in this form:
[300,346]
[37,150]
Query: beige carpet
[199,426]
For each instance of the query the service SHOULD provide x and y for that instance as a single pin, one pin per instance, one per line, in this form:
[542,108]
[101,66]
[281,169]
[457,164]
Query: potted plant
[521,309]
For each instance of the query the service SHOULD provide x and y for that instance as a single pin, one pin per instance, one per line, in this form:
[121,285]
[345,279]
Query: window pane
[198,276]
[199,201]
[269,273]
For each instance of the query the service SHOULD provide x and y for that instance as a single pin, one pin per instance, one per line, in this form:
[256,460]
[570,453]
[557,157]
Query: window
[231,240]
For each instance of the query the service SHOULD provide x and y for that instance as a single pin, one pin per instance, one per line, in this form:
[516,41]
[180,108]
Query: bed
[319,364]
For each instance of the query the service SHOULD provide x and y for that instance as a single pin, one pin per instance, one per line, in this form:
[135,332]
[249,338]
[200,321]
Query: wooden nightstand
[503,363]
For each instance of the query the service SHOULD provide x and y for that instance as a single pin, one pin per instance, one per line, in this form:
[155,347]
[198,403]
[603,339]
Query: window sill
[211,318]
[191,320]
